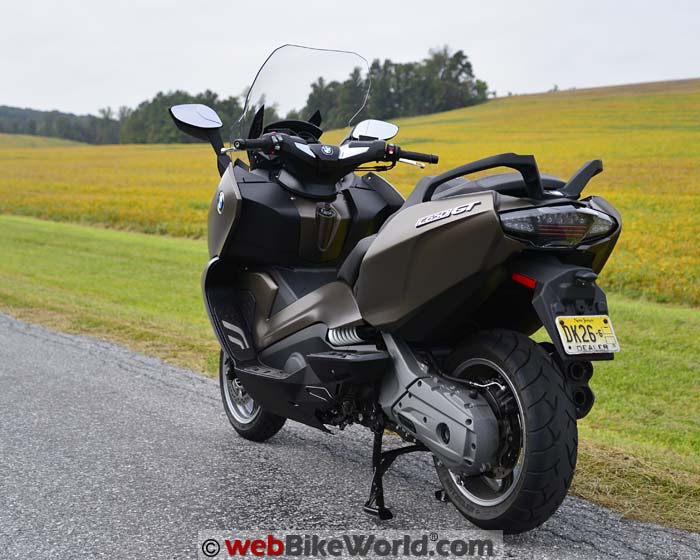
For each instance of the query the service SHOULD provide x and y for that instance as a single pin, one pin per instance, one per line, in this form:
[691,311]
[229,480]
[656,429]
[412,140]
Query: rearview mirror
[196,120]
[203,123]
[372,129]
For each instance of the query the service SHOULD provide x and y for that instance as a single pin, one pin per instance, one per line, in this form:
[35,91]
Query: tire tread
[552,437]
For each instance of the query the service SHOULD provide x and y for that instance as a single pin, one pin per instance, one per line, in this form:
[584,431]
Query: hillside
[646,134]
[31,141]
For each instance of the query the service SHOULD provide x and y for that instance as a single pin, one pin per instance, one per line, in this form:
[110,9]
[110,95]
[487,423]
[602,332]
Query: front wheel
[537,428]
[247,418]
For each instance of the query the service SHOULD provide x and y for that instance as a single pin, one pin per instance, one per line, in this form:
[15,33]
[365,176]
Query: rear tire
[547,448]
[245,415]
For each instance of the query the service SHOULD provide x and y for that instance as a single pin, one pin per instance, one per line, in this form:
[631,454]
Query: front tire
[247,418]
[542,467]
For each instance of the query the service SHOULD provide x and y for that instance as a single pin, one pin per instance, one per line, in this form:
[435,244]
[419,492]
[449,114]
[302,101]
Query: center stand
[381,461]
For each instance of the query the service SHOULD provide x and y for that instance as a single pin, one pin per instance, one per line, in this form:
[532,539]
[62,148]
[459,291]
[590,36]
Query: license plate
[587,334]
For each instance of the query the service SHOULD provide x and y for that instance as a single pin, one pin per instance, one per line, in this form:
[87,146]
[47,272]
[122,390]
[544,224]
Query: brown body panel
[407,266]
[332,305]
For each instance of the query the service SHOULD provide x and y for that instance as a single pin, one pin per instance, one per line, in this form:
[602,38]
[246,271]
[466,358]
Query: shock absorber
[344,336]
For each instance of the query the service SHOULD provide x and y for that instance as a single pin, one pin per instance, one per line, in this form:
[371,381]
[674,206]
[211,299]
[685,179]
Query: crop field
[648,136]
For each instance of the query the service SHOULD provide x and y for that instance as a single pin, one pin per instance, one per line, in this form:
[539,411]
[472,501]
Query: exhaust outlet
[583,399]
[580,372]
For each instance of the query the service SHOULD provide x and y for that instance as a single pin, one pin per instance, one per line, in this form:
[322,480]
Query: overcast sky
[78,56]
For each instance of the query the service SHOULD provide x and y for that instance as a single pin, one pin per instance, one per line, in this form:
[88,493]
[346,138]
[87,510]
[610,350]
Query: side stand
[381,461]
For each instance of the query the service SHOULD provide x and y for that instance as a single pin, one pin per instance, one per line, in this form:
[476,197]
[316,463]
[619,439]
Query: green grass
[142,291]
[639,447]
[30,141]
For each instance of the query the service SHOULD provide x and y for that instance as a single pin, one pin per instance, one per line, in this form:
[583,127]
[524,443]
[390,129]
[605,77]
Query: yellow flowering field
[648,136]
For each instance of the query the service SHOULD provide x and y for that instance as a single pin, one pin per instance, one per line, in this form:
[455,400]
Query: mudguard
[561,289]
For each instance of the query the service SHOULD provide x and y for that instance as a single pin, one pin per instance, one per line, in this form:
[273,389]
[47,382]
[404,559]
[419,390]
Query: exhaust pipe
[580,372]
[583,399]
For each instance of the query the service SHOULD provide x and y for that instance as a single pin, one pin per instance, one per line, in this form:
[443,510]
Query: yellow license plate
[587,334]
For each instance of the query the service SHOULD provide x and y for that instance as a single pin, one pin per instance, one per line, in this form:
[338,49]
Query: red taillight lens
[557,226]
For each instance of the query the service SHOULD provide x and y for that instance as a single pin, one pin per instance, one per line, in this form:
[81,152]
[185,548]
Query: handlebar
[378,150]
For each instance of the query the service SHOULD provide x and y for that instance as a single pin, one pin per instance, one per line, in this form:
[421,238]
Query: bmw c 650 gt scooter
[337,302]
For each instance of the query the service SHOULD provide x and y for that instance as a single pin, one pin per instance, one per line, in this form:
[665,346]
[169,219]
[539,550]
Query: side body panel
[408,265]
[224,211]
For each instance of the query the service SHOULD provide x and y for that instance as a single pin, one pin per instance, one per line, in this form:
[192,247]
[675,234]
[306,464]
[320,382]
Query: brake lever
[411,162]
[228,150]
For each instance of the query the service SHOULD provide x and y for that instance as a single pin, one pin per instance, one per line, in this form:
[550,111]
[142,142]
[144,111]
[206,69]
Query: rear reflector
[524,280]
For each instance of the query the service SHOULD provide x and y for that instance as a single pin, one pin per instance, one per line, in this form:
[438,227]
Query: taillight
[557,226]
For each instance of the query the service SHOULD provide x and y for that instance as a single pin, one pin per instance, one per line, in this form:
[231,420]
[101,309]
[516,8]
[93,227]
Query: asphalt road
[108,453]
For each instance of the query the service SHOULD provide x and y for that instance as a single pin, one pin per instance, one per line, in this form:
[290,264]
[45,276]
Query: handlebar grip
[252,143]
[418,156]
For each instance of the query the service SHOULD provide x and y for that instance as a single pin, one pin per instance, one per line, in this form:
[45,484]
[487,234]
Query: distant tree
[382,103]
[83,128]
[443,81]
[150,122]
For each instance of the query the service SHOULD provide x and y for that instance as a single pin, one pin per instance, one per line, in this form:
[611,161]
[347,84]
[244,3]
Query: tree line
[103,129]
[443,81]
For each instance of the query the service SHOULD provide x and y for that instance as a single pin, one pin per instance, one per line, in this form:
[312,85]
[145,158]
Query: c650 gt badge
[461,209]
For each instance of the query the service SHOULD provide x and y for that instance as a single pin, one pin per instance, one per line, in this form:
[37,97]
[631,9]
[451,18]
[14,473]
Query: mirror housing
[196,120]
[201,122]
[372,129]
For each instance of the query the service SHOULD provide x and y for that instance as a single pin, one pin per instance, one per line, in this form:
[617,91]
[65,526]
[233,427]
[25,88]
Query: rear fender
[561,289]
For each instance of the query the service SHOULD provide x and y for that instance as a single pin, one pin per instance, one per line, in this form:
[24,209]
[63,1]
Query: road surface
[109,453]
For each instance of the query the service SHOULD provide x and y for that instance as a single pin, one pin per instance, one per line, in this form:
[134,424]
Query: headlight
[557,226]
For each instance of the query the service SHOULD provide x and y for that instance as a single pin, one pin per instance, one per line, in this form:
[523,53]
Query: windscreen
[296,82]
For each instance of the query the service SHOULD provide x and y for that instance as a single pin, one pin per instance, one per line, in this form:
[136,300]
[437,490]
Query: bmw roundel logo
[327,150]
[220,202]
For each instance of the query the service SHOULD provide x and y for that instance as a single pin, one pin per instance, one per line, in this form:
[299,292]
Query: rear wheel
[245,415]
[537,428]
